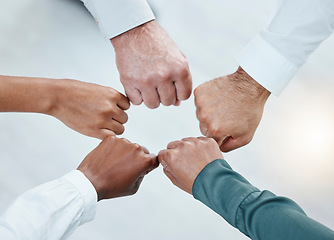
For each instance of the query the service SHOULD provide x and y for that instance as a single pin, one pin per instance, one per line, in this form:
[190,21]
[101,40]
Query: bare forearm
[27,94]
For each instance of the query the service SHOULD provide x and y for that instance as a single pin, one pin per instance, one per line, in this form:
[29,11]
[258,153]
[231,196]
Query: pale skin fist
[183,160]
[152,68]
[90,109]
[230,108]
[117,167]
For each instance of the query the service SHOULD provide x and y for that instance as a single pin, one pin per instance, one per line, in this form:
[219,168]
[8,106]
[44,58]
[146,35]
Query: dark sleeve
[258,214]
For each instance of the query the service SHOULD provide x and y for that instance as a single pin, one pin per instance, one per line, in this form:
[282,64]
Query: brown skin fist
[184,160]
[90,109]
[117,167]
[152,68]
[230,108]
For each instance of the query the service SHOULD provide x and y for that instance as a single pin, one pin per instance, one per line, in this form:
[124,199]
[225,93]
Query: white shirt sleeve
[115,17]
[295,30]
[50,211]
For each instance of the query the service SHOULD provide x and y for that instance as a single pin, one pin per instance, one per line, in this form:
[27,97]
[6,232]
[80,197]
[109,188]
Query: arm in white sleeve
[50,211]
[295,30]
[115,17]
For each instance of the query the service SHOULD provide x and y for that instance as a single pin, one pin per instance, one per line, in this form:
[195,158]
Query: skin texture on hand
[230,108]
[90,109]
[117,167]
[183,160]
[152,68]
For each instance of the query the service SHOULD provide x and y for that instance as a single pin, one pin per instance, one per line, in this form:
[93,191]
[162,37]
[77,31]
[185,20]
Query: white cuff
[87,191]
[266,65]
[115,17]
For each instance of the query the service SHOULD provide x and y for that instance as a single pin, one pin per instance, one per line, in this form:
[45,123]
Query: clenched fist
[183,160]
[90,109]
[152,68]
[230,108]
[117,167]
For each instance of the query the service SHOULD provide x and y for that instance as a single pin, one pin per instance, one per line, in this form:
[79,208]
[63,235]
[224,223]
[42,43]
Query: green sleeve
[258,214]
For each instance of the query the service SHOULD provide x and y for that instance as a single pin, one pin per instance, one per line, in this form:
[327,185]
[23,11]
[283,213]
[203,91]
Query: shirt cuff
[267,65]
[87,191]
[222,189]
[115,17]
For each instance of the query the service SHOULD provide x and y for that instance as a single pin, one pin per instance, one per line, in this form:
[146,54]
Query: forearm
[260,215]
[23,94]
[295,30]
[50,211]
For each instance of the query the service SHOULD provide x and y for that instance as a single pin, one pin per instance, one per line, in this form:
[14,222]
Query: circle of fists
[228,117]
[153,70]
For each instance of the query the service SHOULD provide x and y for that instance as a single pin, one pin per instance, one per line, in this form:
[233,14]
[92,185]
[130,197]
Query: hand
[117,167]
[230,108]
[152,68]
[184,160]
[90,109]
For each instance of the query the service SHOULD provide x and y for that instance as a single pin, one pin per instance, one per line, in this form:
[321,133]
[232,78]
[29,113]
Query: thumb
[233,143]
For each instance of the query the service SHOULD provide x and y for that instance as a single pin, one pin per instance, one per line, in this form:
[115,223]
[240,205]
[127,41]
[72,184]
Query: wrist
[94,180]
[53,90]
[247,85]
[121,40]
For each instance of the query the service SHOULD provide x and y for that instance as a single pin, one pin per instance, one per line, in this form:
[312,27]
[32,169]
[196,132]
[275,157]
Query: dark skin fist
[183,160]
[117,167]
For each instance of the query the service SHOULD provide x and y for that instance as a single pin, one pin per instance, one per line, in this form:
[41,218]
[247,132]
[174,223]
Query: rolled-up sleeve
[52,210]
[115,17]
[295,30]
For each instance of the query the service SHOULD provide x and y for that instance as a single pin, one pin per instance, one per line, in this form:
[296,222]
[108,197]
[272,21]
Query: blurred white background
[292,153]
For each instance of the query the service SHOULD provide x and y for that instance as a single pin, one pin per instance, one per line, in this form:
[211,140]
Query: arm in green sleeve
[258,214]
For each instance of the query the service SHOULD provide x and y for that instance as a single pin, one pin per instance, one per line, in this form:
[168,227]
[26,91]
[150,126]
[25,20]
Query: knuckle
[109,110]
[113,94]
[124,141]
[185,144]
[161,154]
[163,75]
[197,91]
[165,155]
[146,81]
[151,162]
[136,146]
[110,138]
[183,69]
[214,129]
[210,141]
[198,97]
[127,77]
[117,97]
[202,115]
